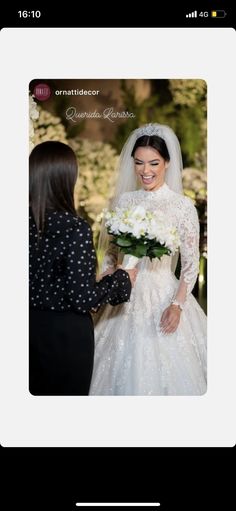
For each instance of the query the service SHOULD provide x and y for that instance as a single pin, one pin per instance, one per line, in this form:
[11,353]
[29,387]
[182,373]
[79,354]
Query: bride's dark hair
[52,176]
[152,141]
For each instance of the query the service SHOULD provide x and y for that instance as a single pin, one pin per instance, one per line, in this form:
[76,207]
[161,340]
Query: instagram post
[117,345]
[96,119]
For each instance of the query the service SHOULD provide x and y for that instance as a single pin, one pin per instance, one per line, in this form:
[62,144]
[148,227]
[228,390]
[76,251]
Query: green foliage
[141,110]
[141,247]
[181,104]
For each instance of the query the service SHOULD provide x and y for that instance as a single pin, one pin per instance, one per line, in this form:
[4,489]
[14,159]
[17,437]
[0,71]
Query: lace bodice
[181,211]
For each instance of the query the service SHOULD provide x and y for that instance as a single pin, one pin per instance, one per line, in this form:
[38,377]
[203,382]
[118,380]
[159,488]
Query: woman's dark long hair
[154,141]
[52,177]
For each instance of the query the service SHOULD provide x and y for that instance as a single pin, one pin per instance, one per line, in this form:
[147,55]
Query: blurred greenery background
[179,103]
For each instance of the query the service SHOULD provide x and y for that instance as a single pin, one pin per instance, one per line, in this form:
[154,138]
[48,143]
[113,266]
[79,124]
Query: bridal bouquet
[139,232]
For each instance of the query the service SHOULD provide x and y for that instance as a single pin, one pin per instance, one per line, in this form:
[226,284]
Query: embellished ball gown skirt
[133,356]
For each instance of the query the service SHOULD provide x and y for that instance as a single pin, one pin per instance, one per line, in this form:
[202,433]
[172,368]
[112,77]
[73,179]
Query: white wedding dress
[132,355]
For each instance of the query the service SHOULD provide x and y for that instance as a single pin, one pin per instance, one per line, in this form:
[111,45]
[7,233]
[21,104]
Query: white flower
[139,229]
[33,116]
[139,212]
[33,110]
[140,223]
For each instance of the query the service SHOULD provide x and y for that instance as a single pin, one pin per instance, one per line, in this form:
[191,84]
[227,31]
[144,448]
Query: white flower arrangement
[48,127]
[140,232]
[43,125]
[33,116]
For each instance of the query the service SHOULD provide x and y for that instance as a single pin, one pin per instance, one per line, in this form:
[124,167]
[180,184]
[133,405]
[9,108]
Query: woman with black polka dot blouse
[62,275]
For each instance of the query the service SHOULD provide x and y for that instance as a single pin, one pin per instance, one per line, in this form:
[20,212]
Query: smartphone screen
[154,426]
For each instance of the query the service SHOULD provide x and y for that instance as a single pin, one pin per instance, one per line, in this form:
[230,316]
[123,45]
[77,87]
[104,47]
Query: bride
[155,344]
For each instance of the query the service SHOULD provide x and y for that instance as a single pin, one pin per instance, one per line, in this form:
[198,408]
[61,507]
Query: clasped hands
[170,317]
[132,273]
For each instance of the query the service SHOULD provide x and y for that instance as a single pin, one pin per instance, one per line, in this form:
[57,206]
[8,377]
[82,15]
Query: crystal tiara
[149,129]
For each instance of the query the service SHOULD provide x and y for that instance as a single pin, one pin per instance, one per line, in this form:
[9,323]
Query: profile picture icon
[42,91]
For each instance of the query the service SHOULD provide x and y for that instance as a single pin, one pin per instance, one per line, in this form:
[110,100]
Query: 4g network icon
[206,14]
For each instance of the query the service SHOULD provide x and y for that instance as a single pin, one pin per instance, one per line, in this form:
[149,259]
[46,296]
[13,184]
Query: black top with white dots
[62,271]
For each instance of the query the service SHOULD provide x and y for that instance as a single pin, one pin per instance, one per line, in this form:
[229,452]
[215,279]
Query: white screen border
[117,421]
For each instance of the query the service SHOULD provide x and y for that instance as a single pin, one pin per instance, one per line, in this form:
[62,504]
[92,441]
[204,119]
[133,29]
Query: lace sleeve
[189,251]
[110,259]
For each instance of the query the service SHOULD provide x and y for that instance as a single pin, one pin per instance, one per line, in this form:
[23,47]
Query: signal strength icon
[192,15]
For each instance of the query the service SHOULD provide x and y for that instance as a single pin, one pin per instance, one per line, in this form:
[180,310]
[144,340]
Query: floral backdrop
[97,161]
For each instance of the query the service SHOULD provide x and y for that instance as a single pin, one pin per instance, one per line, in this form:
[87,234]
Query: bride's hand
[170,319]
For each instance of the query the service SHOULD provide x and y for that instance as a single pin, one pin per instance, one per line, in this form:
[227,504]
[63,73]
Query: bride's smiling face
[150,167]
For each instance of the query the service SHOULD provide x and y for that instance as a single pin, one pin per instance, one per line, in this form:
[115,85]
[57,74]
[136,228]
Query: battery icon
[218,14]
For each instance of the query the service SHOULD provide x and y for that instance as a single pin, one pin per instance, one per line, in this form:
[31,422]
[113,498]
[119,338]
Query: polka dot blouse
[62,268]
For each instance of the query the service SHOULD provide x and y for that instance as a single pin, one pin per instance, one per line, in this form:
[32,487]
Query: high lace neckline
[162,189]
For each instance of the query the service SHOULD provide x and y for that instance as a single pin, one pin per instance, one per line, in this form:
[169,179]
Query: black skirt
[61,352]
